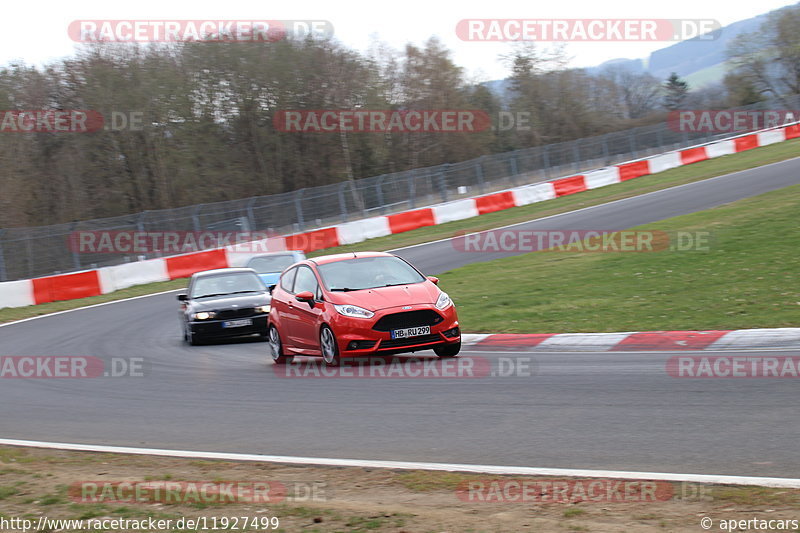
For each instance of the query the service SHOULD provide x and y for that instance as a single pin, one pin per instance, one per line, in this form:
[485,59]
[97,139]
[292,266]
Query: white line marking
[603,204]
[472,338]
[408,465]
[88,307]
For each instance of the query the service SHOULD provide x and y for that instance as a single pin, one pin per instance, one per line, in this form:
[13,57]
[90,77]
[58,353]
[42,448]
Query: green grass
[569,513]
[707,76]
[425,481]
[736,495]
[51,499]
[14,455]
[747,278]
[643,185]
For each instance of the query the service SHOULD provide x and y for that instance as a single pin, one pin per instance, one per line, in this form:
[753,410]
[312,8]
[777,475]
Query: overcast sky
[36,32]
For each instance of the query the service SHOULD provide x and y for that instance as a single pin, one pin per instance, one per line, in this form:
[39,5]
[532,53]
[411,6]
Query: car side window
[306,281]
[287,280]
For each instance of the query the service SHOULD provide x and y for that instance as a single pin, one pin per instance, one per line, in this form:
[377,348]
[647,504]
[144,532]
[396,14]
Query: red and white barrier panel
[109,279]
[119,277]
[16,293]
[640,341]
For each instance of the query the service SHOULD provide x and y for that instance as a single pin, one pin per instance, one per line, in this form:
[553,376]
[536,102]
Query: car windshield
[224,284]
[271,263]
[368,273]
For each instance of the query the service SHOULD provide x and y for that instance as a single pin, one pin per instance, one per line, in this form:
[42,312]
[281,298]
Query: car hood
[384,297]
[227,302]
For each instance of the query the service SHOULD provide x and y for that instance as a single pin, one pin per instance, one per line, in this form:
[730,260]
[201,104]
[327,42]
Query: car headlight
[443,301]
[204,315]
[353,311]
[263,309]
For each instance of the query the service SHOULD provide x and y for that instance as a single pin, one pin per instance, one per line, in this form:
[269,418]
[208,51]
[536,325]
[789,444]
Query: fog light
[452,333]
[360,345]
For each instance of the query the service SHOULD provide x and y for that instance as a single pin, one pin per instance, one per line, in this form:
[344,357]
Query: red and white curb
[777,482]
[640,341]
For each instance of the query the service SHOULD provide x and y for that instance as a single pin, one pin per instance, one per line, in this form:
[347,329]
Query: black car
[227,302]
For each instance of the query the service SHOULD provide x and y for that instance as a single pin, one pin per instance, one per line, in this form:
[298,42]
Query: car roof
[323,259]
[216,271]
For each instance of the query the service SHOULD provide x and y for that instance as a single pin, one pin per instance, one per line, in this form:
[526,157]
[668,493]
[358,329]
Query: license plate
[238,323]
[410,332]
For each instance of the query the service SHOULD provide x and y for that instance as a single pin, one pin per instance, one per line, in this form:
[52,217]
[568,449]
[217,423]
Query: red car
[357,304]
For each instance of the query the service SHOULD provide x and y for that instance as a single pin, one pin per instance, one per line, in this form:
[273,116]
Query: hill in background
[700,62]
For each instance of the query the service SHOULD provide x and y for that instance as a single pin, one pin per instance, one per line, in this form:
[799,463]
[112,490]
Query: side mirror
[434,280]
[183,297]
[271,288]
[304,296]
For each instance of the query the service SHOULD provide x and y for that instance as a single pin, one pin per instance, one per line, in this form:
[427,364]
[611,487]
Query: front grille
[409,319]
[236,313]
[399,343]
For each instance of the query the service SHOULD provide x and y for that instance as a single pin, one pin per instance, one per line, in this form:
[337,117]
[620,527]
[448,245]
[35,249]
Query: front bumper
[214,328]
[357,337]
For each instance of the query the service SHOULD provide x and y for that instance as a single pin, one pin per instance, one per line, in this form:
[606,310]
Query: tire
[448,350]
[276,347]
[328,346]
[192,338]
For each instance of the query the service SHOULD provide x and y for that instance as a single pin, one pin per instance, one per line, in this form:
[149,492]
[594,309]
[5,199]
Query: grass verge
[670,178]
[54,484]
[746,277]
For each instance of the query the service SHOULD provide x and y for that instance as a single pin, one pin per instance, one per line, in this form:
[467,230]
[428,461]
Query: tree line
[207,113]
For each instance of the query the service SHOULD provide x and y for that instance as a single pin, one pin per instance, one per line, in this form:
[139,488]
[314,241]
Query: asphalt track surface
[614,411]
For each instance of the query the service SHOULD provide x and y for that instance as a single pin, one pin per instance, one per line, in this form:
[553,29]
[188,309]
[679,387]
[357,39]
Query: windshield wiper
[395,284]
[242,292]
[345,289]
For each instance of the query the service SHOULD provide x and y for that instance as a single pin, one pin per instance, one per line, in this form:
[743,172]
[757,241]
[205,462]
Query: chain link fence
[39,251]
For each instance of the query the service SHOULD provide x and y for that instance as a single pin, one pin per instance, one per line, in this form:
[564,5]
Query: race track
[617,411]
